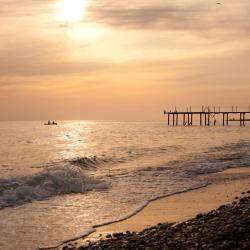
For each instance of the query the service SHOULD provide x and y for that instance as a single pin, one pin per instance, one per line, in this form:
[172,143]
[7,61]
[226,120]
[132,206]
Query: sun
[72,11]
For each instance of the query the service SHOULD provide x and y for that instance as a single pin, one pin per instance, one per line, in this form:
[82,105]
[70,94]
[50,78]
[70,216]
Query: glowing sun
[72,10]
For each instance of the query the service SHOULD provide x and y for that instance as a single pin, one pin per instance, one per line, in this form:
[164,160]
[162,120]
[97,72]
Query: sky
[121,60]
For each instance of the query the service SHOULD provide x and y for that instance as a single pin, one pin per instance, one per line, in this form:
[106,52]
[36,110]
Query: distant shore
[228,186]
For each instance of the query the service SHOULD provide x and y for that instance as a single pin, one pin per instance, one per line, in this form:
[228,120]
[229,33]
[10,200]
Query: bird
[219,3]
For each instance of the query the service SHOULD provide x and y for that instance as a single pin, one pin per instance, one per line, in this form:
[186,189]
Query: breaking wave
[128,154]
[215,159]
[90,162]
[48,183]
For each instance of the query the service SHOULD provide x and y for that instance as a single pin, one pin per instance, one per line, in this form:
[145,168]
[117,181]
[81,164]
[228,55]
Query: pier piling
[207,114]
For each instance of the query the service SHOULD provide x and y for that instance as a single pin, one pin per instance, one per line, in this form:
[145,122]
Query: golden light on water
[72,11]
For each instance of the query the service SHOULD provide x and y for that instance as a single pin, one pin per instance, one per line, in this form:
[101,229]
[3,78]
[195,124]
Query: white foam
[125,217]
[143,205]
[84,234]
[87,162]
[48,183]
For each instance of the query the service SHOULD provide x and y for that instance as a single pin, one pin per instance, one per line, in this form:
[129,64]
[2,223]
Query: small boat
[50,123]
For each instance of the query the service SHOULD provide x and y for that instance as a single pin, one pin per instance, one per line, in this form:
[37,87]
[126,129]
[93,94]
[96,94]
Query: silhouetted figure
[215,122]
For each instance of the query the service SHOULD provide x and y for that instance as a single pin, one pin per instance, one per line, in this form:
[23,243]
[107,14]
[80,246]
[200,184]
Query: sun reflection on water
[75,139]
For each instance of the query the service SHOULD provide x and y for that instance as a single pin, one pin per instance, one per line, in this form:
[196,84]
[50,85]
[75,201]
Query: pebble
[108,236]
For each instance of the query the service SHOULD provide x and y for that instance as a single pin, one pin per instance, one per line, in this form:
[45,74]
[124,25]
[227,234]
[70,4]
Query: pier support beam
[206,117]
[242,119]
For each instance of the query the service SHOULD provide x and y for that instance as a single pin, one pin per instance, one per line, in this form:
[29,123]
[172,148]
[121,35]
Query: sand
[227,185]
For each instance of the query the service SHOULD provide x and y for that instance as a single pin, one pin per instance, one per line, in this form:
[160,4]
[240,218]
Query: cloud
[14,7]
[37,47]
[42,58]
[199,16]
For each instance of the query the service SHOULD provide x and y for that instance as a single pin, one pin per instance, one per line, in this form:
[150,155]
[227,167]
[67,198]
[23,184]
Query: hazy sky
[121,60]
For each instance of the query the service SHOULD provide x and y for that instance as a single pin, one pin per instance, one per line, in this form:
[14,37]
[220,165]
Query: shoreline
[226,227]
[176,208]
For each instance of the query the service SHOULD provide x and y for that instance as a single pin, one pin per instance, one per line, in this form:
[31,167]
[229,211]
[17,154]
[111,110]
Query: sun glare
[72,10]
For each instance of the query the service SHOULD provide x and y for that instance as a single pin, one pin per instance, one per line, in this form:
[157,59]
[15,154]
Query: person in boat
[49,122]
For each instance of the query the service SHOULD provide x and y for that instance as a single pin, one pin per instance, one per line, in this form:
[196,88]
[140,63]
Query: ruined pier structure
[207,117]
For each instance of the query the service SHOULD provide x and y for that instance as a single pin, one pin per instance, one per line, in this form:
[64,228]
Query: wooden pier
[206,117]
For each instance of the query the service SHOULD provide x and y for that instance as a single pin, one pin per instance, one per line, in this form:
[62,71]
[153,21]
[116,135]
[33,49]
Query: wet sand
[227,185]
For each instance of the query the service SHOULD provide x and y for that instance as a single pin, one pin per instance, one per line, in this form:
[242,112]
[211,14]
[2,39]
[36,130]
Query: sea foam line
[123,218]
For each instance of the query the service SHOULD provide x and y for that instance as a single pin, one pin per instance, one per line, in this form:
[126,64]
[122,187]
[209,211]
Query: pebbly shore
[227,227]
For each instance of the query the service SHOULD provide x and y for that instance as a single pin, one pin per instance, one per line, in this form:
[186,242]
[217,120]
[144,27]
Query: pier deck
[206,117]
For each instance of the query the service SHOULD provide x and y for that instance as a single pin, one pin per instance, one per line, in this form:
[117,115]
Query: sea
[60,182]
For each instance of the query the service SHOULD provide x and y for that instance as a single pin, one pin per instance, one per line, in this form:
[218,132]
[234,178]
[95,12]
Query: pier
[207,117]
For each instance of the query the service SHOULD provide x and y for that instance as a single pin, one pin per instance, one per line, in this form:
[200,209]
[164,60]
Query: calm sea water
[58,181]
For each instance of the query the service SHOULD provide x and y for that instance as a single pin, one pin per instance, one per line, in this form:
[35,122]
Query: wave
[128,154]
[135,152]
[90,162]
[215,159]
[46,184]
[241,145]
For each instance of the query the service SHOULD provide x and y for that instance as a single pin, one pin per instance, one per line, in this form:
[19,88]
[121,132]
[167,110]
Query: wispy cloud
[32,45]
[197,16]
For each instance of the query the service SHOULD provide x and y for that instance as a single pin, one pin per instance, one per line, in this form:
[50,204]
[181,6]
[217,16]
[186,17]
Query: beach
[168,221]
[124,124]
